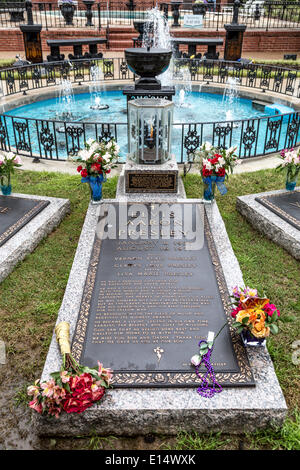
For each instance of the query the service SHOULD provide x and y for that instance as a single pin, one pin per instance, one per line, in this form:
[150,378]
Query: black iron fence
[256,76]
[58,139]
[95,15]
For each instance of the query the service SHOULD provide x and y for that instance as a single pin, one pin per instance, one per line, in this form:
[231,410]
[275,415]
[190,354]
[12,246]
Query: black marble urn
[148,63]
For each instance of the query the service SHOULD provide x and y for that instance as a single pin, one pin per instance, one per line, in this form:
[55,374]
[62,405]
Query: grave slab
[275,214]
[140,411]
[27,219]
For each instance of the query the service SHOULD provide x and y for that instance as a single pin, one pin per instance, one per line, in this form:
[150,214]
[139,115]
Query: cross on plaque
[158,351]
[4,210]
[297,204]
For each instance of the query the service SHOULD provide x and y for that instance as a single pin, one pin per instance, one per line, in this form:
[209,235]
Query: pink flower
[36,406]
[270,309]
[17,160]
[249,292]
[236,292]
[65,378]
[195,360]
[48,388]
[33,390]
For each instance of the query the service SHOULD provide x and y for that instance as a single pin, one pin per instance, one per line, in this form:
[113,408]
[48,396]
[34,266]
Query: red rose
[79,168]
[73,406]
[206,173]
[107,171]
[221,172]
[84,173]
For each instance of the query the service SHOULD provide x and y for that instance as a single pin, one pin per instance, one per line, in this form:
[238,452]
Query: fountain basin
[148,63]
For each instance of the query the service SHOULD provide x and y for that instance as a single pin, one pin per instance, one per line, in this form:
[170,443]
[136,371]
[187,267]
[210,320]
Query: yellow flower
[260,331]
[243,314]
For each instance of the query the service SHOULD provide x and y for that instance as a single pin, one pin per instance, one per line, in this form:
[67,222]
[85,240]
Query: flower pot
[250,340]
[67,10]
[199,9]
[291,179]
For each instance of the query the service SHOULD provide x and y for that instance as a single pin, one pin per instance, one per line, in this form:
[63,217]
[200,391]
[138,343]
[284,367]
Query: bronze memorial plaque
[148,302]
[158,182]
[15,212]
[285,205]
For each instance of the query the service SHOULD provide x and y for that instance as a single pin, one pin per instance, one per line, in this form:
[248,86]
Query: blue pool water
[197,108]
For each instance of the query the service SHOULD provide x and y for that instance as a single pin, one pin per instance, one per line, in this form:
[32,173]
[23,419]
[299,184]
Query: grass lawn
[31,296]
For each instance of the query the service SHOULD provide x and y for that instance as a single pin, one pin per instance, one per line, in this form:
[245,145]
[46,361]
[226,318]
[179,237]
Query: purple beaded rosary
[206,349]
[204,390]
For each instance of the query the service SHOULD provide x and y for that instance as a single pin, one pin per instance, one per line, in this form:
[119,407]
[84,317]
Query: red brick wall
[120,38]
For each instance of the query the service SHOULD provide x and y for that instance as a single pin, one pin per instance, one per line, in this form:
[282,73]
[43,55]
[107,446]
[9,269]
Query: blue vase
[95,183]
[291,180]
[6,189]
[209,185]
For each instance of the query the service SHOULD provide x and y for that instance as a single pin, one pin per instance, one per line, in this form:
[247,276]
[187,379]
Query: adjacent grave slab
[25,221]
[134,411]
[276,214]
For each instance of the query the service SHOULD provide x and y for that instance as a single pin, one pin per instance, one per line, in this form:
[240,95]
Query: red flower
[206,172]
[221,172]
[84,173]
[79,168]
[236,311]
[95,168]
[107,171]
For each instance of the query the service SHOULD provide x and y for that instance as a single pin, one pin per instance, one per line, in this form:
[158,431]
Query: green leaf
[203,351]
[274,329]
[245,320]
[203,346]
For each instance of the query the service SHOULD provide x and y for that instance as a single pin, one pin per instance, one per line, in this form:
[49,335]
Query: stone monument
[150,167]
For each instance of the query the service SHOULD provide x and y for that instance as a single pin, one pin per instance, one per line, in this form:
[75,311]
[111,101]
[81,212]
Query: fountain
[151,60]
[65,100]
[95,89]
[230,97]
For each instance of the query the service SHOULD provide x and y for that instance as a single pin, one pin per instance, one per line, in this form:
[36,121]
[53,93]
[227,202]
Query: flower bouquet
[215,165]
[8,163]
[98,158]
[254,316]
[74,388]
[290,163]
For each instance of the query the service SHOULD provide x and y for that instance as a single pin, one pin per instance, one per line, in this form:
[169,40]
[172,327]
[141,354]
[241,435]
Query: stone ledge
[27,239]
[167,410]
[268,223]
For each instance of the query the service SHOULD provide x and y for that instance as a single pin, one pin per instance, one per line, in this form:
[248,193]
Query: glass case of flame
[150,123]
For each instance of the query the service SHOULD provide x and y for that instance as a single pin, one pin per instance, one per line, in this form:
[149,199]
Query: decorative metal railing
[94,15]
[51,139]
